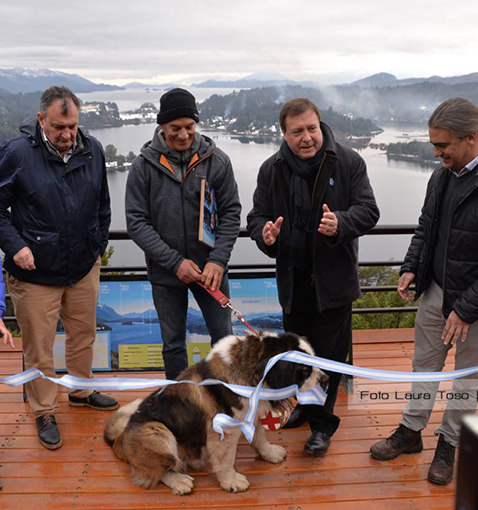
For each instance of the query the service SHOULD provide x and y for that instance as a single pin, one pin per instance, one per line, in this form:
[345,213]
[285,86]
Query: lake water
[399,186]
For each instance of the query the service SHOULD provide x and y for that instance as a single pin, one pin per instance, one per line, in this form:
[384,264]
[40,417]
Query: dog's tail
[117,423]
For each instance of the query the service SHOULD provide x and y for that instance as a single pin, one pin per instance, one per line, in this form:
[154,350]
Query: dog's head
[286,373]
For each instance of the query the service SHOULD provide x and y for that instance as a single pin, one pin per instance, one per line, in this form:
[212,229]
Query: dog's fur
[171,430]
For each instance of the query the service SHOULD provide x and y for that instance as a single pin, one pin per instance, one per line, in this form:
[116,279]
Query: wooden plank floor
[84,473]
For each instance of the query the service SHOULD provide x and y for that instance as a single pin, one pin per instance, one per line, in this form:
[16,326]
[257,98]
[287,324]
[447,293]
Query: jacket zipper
[314,242]
[188,170]
[183,210]
[84,152]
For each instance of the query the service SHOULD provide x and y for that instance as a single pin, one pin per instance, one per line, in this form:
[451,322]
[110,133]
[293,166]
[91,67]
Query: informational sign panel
[128,332]
[101,353]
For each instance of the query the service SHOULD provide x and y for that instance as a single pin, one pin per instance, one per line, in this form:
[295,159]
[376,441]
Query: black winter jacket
[60,210]
[460,279]
[335,259]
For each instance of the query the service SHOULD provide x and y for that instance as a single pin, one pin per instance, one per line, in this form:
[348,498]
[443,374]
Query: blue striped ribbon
[222,421]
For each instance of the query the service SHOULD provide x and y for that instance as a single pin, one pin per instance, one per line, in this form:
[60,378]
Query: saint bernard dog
[170,432]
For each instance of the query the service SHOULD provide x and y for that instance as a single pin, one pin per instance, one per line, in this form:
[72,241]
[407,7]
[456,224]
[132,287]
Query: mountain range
[249,82]
[105,313]
[390,80]
[374,81]
[24,80]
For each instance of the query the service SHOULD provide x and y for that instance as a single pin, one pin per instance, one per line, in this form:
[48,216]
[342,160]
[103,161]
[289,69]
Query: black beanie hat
[177,103]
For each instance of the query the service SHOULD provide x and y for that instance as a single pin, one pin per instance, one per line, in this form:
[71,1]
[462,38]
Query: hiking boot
[48,432]
[403,440]
[441,468]
[95,401]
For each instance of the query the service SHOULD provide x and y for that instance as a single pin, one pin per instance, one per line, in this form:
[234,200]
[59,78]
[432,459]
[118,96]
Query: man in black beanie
[162,215]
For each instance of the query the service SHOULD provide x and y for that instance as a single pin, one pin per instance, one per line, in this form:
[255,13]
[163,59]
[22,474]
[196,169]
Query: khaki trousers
[429,356]
[37,309]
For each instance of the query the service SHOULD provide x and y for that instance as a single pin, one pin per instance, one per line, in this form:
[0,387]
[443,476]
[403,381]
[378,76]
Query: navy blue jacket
[60,210]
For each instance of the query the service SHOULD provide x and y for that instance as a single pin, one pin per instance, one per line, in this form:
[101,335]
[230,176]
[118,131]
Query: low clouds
[143,40]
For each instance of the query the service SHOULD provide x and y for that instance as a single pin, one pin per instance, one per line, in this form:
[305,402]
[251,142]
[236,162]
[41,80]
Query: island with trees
[413,152]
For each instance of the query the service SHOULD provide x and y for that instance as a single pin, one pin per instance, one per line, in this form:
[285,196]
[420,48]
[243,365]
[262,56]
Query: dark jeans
[330,334]
[172,306]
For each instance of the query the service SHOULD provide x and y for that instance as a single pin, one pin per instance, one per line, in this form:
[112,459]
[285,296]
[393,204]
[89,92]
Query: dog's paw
[235,483]
[274,453]
[179,483]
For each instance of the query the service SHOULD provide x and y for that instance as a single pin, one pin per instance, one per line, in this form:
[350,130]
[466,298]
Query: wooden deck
[84,473]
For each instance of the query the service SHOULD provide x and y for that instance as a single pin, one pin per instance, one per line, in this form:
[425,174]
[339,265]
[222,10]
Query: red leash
[225,302]
[279,415]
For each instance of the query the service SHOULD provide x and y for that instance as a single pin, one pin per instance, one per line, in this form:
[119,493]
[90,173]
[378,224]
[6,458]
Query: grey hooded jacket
[162,206]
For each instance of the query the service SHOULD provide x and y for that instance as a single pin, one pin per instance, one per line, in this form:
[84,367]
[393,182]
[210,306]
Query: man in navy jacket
[54,221]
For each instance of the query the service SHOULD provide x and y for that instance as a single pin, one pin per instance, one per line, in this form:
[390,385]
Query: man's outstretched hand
[271,231]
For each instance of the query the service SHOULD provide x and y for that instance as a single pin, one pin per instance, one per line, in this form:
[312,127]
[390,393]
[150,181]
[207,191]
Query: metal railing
[264,270]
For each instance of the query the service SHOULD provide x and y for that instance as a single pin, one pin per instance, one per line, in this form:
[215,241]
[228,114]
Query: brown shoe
[441,468]
[403,440]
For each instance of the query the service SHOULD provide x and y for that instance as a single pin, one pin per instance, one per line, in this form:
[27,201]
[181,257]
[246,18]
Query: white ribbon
[221,421]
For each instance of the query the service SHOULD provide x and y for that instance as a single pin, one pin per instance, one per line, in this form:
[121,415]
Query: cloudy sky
[190,40]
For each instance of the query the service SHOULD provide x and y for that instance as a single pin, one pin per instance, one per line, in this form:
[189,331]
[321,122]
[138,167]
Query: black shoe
[95,401]
[297,418]
[48,432]
[0,484]
[441,468]
[318,443]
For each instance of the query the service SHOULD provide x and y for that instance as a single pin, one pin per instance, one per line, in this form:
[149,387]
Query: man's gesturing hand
[24,259]
[329,224]
[271,231]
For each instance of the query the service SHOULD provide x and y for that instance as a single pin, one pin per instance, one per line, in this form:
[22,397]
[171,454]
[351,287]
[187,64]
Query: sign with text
[101,352]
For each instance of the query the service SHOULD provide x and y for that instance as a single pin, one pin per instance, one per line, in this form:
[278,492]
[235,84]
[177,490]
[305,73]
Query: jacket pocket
[45,247]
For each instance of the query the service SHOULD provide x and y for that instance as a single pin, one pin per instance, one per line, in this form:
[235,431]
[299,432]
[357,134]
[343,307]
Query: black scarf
[300,197]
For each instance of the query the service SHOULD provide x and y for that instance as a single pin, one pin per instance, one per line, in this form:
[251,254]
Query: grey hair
[458,115]
[54,93]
